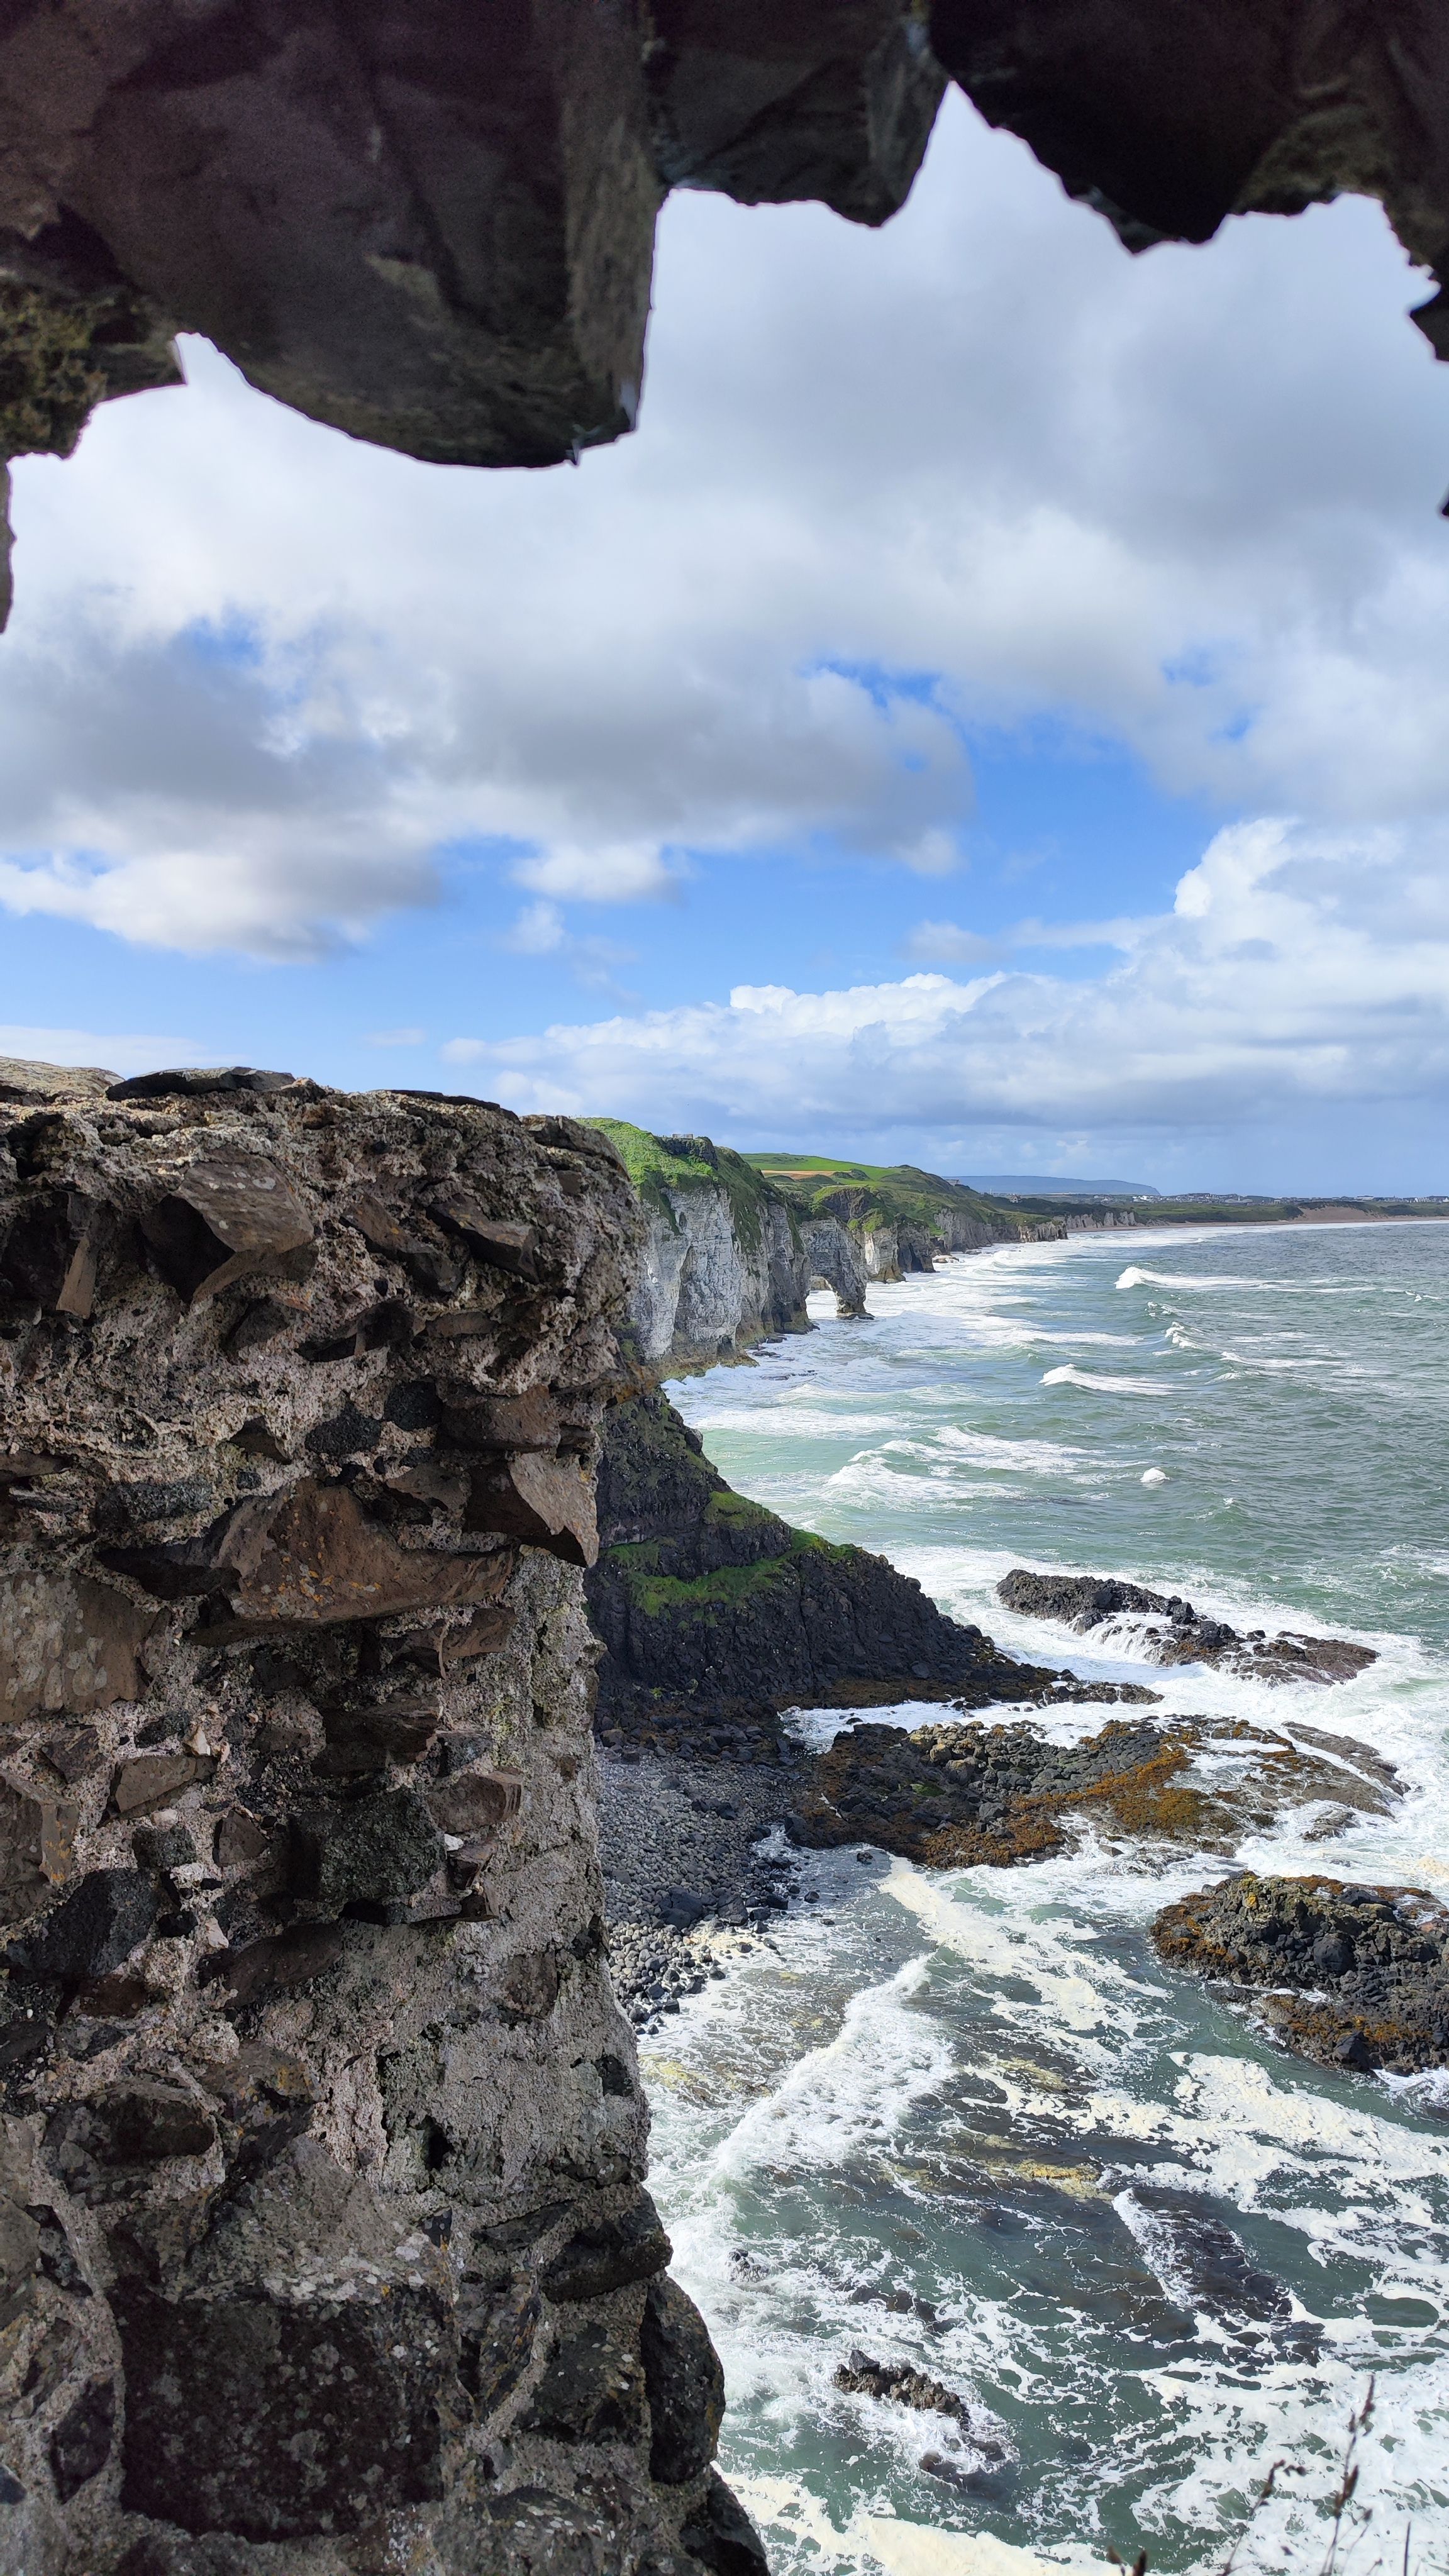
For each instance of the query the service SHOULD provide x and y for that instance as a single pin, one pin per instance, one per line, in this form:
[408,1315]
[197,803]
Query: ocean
[966,2120]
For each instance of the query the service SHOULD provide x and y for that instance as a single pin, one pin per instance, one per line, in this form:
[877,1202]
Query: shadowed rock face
[322,2237]
[434,228]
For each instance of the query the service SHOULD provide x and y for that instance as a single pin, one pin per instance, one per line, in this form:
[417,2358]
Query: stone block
[380,1848]
[67,1643]
[37,1846]
[154,1779]
[81,2442]
[281,2412]
[591,2391]
[49,1252]
[476,1803]
[500,1425]
[831,99]
[275,1965]
[497,2330]
[225,1218]
[609,2253]
[92,1931]
[312,1555]
[546,1502]
[685,2385]
[498,1240]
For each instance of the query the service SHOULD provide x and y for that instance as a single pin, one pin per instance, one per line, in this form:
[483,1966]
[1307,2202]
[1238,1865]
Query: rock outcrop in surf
[1168,1630]
[958,1796]
[1356,1975]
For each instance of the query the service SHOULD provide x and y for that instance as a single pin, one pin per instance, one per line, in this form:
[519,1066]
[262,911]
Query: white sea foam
[1107,1385]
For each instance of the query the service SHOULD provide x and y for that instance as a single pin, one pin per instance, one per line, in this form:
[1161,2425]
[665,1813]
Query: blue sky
[995,712]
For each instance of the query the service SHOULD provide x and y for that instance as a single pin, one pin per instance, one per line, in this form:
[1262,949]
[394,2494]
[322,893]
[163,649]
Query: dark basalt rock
[958,1796]
[1088,1601]
[1358,1975]
[91,1931]
[712,1608]
[381,1847]
[199,1082]
[591,2391]
[685,2385]
[81,2442]
[721,2536]
[280,2417]
[861,2376]
[610,2253]
[497,2331]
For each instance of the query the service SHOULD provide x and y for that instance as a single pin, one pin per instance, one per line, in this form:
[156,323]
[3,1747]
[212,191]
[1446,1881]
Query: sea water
[967,2119]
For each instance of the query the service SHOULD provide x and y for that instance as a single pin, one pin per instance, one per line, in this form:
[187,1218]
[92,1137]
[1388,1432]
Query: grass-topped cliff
[920,1211]
[658,1164]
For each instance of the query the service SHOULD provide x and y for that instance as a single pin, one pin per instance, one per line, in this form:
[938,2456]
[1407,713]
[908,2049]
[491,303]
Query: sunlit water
[967,2119]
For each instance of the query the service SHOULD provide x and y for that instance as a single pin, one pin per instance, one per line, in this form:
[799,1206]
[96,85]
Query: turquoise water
[966,2119]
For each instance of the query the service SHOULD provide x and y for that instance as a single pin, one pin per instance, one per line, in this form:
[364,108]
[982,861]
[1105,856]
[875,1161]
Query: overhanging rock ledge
[434,228]
[323,2233]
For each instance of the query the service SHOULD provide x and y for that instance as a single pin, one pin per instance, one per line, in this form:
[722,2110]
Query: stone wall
[323,2237]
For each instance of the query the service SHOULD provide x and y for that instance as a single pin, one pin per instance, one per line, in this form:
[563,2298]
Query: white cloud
[1298,969]
[978,464]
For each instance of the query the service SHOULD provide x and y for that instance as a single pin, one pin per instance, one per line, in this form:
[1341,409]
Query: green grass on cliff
[867,1195]
[667,1596]
[658,1164]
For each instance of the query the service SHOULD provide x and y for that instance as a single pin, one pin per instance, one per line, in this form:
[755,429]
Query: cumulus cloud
[888,487]
[1298,968]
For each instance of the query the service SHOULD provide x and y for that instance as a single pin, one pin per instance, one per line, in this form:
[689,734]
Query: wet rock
[382,1847]
[1183,1636]
[591,2391]
[92,1931]
[81,2442]
[956,1796]
[1359,1975]
[609,2253]
[497,2331]
[720,2534]
[226,1218]
[547,1502]
[685,2385]
[902,2385]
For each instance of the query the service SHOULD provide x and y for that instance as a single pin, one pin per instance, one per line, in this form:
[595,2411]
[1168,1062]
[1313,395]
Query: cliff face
[322,2225]
[715,1612]
[726,1262]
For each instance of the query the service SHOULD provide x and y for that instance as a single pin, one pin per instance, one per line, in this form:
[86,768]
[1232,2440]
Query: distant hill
[1037,1185]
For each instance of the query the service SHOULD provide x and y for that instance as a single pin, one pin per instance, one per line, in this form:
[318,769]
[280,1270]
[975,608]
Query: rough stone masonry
[323,2241]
